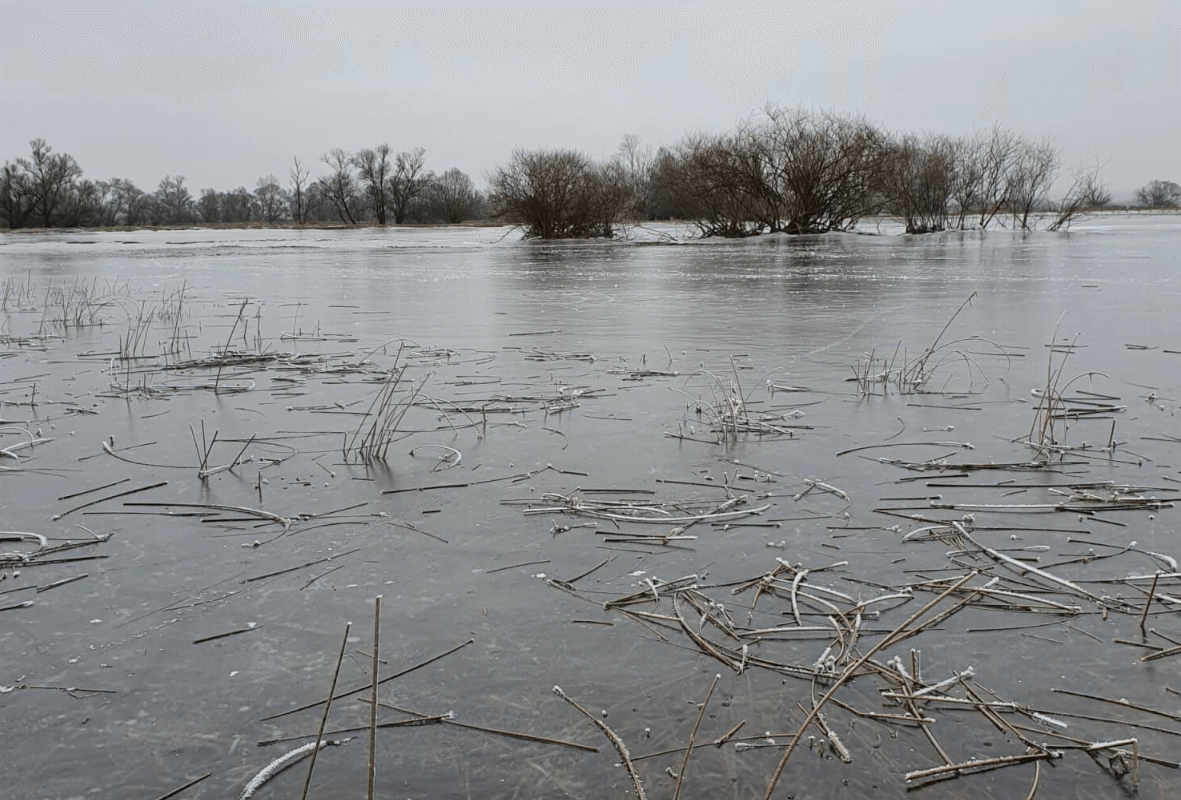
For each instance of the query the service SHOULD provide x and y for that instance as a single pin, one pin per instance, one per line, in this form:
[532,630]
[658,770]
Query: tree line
[785,170]
[797,171]
[47,189]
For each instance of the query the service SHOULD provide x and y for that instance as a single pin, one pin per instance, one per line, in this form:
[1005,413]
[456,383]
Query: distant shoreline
[340,226]
[260,226]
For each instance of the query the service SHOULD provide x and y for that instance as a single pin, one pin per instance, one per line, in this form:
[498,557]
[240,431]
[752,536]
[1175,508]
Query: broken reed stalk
[254,512]
[524,737]
[56,517]
[217,379]
[417,722]
[180,789]
[980,764]
[1148,602]
[386,679]
[612,737]
[1119,754]
[693,734]
[852,670]
[373,694]
[327,705]
[834,741]
[909,681]
[1037,776]
[281,763]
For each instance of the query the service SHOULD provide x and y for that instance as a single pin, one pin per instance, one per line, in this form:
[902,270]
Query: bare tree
[239,206]
[103,197]
[271,199]
[558,194]
[1159,194]
[299,184]
[823,171]
[51,180]
[132,200]
[209,206]
[316,206]
[373,169]
[339,187]
[451,198]
[116,202]
[637,163]
[407,181]
[16,196]
[86,208]
[174,203]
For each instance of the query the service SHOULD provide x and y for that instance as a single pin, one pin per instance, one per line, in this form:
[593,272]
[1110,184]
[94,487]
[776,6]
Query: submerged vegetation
[783,170]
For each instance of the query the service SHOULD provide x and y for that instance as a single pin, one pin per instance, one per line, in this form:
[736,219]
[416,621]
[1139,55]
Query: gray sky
[226,93]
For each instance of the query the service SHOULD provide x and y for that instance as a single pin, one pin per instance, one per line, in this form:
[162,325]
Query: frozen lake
[547,397]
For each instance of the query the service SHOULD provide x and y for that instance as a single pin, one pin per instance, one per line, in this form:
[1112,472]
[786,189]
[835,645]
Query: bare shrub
[1085,194]
[921,180]
[705,180]
[558,194]
[1032,172]
[825,171]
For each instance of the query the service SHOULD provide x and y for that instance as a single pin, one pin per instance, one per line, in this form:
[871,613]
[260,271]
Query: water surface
[620,342]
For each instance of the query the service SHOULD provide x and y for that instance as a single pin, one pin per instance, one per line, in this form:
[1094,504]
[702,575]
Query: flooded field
[910,499]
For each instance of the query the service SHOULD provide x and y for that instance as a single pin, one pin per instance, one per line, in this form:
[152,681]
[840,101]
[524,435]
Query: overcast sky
[226,93]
